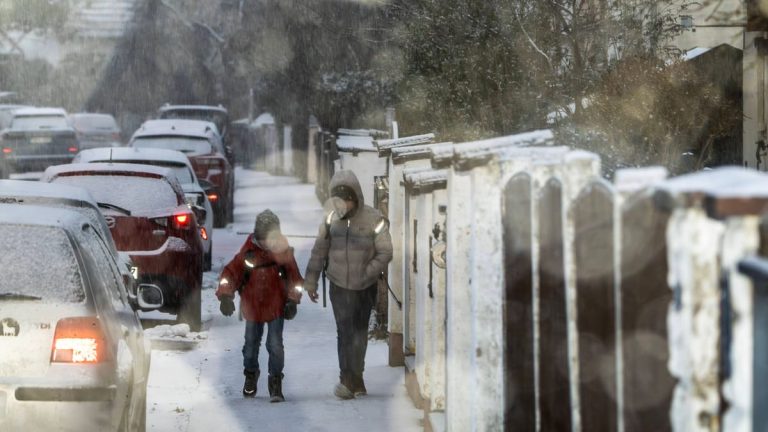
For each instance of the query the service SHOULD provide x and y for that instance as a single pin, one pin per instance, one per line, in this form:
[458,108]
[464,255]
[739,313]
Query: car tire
[220,218]
[190,310]
[231,210]
[208,261]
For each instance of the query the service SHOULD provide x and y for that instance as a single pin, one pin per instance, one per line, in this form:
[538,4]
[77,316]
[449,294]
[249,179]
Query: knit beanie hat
[266,222]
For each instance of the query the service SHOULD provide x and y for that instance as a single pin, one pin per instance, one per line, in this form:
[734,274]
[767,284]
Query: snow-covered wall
[460,336]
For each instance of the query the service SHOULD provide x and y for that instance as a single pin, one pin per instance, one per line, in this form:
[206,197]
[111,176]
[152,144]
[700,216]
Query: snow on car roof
[133,154]
[12,214]
[178,127]
[20,188]
[34,112]
[12,107]
[168,107]
[57,170]
[56,195]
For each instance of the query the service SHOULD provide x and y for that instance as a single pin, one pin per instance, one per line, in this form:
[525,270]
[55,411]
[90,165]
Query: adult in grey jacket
[355,245]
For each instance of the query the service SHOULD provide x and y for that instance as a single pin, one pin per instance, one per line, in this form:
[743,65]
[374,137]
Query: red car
[201,142]
[149,219]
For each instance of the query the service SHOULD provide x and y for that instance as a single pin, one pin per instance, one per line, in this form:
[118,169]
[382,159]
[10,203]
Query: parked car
[76,199]
[73,352]
[179,164]
[217,115]
[200,141]
[148,217]
[6,114]
[36,139]
[95,130]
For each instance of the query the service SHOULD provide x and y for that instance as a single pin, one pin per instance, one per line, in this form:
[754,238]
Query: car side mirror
[200,214]
[150,297]
[205,185]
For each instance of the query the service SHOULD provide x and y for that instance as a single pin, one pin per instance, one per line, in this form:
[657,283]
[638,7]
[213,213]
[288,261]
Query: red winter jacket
[264,295]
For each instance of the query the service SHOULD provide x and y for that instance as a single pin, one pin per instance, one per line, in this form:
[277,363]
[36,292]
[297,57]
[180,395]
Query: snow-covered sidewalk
[200,389]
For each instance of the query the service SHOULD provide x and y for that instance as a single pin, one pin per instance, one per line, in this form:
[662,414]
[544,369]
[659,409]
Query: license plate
[40,140]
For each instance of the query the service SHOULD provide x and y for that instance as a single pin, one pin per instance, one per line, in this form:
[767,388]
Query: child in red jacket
[267,278]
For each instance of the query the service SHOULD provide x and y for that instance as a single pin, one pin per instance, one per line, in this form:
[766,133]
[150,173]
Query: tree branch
[539,50]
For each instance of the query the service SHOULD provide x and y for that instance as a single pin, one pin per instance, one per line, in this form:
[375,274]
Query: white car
[179,164]
[73,352]
[73,198]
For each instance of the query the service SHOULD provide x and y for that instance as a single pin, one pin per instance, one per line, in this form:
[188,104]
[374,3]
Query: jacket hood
[349,179]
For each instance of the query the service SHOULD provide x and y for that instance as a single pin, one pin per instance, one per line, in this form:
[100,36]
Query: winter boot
[276,388]
[343,389]
[358,386]
[251,377]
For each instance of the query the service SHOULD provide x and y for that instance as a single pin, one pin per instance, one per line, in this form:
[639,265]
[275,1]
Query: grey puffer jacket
[358,248]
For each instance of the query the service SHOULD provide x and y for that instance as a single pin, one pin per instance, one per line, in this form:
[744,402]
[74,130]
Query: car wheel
[231,210]
[190,312]
[220,217]
[208,261]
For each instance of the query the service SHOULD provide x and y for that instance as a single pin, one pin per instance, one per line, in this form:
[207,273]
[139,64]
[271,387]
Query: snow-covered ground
[199,389]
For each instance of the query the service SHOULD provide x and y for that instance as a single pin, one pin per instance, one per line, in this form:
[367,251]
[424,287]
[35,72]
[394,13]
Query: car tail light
[72,149]
[213,197]
[203,233]
[182,220]
[78,340]
[7,150]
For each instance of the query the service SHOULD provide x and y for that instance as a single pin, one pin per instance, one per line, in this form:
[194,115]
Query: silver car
[179,164]
[73,353]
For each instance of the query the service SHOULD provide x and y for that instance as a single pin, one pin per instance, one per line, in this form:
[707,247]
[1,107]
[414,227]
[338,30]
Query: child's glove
[227,306]
[290,310]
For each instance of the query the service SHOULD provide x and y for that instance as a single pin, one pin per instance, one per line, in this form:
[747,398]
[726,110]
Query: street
[200,389]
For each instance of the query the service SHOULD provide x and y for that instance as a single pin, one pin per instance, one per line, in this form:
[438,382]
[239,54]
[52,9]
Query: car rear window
[39,261]
[39,122]
[187,145]
[133,193]
[94,122]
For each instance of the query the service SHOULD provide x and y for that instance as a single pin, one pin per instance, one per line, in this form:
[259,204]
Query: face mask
[339,206]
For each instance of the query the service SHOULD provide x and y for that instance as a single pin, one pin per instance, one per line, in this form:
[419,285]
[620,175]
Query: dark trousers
[352,310]
[253,333]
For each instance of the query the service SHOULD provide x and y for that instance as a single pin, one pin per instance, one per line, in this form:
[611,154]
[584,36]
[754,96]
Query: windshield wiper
[18,296]
[114,207]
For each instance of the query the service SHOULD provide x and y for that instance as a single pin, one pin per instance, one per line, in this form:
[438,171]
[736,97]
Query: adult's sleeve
[317,259]
[383,253]
[294,276]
